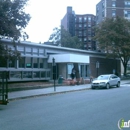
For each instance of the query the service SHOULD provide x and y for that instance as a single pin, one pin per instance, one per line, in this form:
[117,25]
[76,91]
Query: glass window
[28,62]
[35,62]
[85,25]
[80,25]
[85,39]
[127,13]
[85,19]
[113,3]
[35,51]
[41,62]
[22,62]
[27,74]
[36,74]
[85,34]
[15,74]
[113,13]
[80,19]
[127,3]
[80,33]
[28,50]
[89,19]
[41,52]
[43,74]
[89,25]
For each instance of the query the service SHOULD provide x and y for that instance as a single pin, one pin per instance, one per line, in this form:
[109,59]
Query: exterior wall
[84,30]
[105,8]
[106,66]
[62,67]
[31,70]
[85,33]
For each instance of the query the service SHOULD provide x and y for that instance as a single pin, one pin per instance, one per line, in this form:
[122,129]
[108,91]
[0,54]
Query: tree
[61,37]
[13,20]
[113,36]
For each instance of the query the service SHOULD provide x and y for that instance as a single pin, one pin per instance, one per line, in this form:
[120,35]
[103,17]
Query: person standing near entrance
[73,73]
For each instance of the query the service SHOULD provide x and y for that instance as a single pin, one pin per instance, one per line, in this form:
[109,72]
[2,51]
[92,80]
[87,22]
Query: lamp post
[54,72]
[97,66]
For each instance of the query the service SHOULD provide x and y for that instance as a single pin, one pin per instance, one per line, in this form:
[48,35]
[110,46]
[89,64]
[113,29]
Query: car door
[113,80]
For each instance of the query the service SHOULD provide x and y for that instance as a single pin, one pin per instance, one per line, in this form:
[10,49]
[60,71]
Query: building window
[89,19]
[80,19]
[85,39]
[103,4]
[85,19]
[89,25]
[80,33]
[127,14]
[35,51]
[85,34]
[28,50]
[22,62]
[127,3]
[85,25]
[113,3]
[80,25]
[35,62]
[41,62]
[113,13]
[28,62]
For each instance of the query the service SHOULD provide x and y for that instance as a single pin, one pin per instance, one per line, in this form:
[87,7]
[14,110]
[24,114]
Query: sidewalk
[50,90]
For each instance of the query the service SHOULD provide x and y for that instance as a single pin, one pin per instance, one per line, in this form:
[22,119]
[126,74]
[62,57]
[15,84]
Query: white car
[106,81]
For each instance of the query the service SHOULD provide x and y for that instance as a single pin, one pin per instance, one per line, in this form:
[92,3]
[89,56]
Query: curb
[48,94]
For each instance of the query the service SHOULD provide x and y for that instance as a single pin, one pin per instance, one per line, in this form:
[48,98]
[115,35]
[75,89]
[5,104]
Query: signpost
[54,72]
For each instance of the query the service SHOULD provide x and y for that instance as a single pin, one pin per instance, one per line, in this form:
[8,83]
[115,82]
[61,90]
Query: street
[99,109]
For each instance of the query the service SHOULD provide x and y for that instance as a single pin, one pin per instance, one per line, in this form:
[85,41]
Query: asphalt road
[84,110]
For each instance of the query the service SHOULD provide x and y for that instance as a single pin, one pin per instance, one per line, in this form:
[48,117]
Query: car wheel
[118,84]
[107,86]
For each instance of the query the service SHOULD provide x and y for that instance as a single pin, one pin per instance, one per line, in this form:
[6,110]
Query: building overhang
[69,58]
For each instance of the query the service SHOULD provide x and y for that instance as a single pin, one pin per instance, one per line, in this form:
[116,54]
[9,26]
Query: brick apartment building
[81,26]
[112,8]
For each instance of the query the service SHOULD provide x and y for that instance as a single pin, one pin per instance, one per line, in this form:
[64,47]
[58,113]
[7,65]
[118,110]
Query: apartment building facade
[112,8]
[81,26]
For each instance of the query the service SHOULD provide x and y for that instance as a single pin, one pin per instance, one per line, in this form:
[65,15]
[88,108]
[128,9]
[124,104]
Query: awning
[69,58]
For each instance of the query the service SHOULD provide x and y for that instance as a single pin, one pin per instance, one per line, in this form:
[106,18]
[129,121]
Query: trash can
[60,80]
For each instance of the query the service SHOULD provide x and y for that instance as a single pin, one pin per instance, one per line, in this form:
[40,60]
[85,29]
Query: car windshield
[103,77]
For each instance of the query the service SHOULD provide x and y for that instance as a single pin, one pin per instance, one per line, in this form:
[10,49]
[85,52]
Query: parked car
[106,81]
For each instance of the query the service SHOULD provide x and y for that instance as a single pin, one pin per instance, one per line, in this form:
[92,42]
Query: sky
[47,14]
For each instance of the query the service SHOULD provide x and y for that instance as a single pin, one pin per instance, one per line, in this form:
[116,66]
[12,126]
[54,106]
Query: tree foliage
[113,36]
[61,37]
[13,19]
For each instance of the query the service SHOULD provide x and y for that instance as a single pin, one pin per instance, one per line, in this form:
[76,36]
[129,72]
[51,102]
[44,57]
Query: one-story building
[36,63]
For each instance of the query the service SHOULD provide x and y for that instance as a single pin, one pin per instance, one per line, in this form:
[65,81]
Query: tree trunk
[125,68]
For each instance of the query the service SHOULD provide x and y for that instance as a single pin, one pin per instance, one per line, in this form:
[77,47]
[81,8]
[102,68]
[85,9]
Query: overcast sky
[47,14]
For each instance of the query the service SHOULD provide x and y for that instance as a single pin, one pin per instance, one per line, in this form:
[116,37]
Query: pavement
[51,90]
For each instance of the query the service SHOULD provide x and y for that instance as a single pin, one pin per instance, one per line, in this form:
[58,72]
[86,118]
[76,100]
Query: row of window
[26,62]
[29,50]
[84,19]
[84,25]
[113,14]
[28,75]
[113,4]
